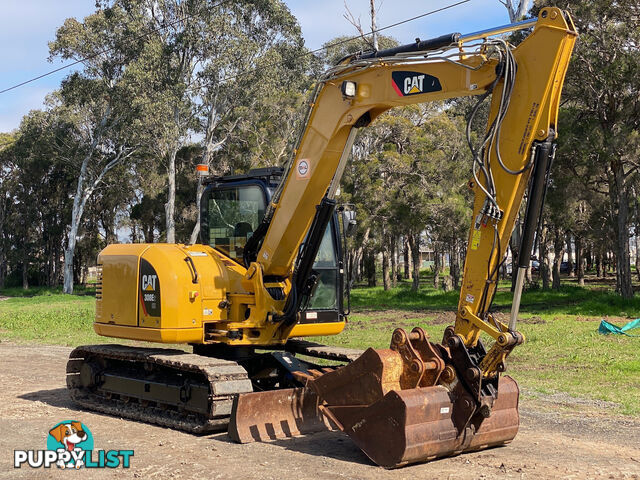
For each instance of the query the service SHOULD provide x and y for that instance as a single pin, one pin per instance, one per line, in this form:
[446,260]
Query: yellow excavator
[269,272]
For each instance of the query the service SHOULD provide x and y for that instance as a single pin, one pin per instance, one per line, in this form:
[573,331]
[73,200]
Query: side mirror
[349,222]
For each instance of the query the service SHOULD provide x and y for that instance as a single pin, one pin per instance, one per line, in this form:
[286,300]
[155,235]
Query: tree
[601,88]
[97,101]
[254,66]
[516,10]
[6,140]
[37,174]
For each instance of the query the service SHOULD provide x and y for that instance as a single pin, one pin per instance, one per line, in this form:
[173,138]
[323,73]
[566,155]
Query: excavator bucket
[384,402]
[400,405]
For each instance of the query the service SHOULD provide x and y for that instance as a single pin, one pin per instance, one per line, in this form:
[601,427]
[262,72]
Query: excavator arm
[425,399]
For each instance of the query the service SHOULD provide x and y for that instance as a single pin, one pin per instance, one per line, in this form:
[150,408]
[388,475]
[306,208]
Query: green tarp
[606,328]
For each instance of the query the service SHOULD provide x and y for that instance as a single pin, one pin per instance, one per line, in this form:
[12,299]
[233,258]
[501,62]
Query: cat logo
[149,291]
[414,83]
[149,282]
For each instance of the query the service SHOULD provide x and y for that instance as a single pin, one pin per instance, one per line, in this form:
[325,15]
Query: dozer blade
[395,426]
[276,414]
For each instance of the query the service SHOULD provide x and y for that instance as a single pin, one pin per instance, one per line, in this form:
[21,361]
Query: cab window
[234,214]
[325,295]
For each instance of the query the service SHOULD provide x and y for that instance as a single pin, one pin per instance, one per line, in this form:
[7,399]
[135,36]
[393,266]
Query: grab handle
[192,269]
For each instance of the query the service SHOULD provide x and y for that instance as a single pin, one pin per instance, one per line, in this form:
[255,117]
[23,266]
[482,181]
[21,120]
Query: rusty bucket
[395,426]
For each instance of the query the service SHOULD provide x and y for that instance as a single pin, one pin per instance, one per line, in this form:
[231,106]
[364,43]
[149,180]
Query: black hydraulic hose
[543,155]
[418,46]
[253,244]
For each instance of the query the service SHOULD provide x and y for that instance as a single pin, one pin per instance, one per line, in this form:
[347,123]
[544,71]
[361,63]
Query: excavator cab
[232,209]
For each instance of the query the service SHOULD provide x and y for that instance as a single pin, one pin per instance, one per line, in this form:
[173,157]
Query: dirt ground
[560,437]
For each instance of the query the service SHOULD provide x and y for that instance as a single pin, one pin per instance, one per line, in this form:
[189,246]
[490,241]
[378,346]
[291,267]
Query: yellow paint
[317,329]
[160,335]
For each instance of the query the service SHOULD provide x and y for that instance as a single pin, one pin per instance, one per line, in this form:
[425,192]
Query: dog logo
[73,437]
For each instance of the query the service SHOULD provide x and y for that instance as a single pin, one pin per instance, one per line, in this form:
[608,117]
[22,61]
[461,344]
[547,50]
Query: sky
[26,27]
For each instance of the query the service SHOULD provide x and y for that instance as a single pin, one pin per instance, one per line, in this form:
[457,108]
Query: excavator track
[166,387]
[317,350]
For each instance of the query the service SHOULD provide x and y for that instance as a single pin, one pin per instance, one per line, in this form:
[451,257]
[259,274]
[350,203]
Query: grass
[563,351]
[46,291]
[48,317]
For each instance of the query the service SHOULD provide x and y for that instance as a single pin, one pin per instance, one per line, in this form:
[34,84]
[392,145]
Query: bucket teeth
[276,414]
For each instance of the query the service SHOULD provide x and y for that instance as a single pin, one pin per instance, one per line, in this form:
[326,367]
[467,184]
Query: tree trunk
[637,245]
[619,200]
[558,252]
[370,267]
[437,268]
[579,261]
[53,273]
[25,273]
[544,268]
[374,28]
[149,237]
[79,201]
[414,244]
[68,256]
[455,264]
[170,206]
[394,261]
[83,192]
[386,279]
[570,256]
[3,266]
[407,260]
[599,263]
[356,269]
[195,233]
[518,10]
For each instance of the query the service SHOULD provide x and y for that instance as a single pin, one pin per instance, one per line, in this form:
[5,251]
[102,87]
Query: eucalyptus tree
[97,102]
[602,87]
[517,10]
[6,186]
[36,171]
[252,73]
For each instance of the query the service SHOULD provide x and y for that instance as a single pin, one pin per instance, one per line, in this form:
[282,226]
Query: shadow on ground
[57,397]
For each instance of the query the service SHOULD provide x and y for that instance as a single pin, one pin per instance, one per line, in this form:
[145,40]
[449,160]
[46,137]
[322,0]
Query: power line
[341,42]
[106,50]
[250,70]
